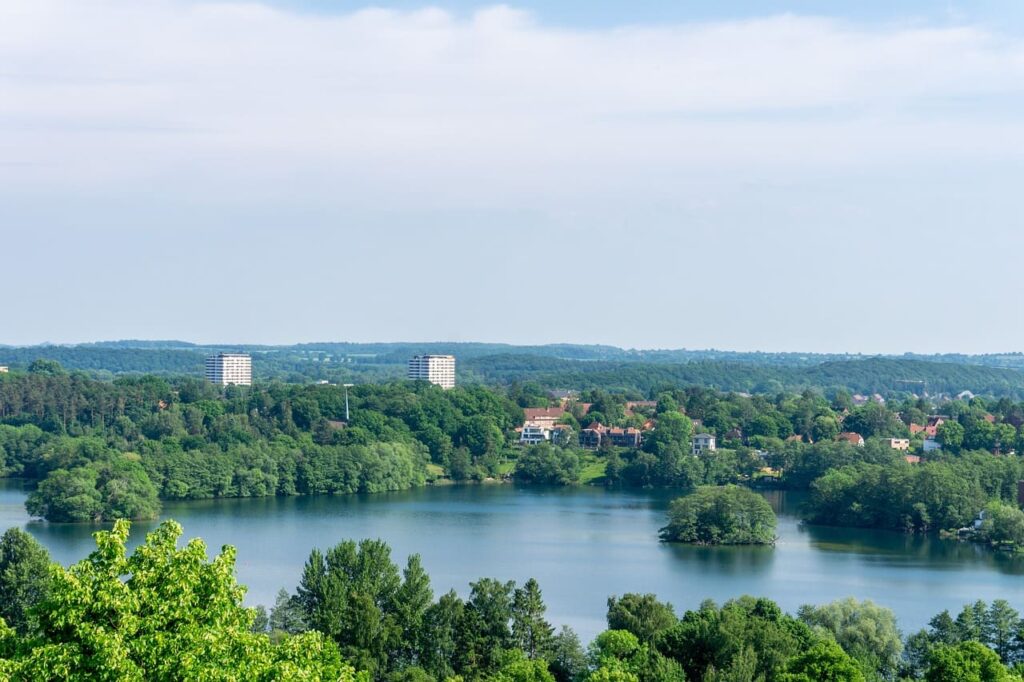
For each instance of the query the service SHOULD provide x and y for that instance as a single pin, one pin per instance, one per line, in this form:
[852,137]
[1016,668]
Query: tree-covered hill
[869,375]
[565,366]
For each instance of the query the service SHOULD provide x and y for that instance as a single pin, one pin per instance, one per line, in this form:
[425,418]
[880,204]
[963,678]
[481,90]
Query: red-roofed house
[536,413]
[851,438]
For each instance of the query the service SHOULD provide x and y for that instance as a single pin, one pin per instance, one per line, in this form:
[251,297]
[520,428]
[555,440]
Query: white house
[534,433]
[702,442]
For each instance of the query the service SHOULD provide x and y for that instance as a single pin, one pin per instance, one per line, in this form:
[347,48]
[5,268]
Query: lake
[581,544]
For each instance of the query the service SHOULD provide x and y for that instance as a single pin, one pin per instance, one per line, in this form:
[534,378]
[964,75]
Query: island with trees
[720,515]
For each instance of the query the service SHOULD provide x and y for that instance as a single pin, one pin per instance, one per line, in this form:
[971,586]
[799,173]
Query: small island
[722,515]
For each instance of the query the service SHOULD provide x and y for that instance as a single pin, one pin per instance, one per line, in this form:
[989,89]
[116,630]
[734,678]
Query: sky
[746,175]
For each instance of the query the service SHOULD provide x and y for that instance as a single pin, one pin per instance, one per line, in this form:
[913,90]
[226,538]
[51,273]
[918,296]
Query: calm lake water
[582,545]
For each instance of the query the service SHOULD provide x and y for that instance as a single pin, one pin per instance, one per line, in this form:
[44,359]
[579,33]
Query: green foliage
[717,639]
[568,661]
[161,614]
[1003,524]
[640,614]
[997,626]
[866,631]
[945,493]
[824,662]
[545,463]
[115,488]
[24,578]
[531,634]
[727,515]
[966,662]
[98,447]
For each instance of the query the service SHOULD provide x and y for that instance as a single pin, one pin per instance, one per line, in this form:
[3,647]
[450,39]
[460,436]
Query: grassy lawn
[593,470]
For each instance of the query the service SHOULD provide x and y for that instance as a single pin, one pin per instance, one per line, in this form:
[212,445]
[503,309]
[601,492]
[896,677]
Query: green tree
[568,661]
[824,662]
[966,662]
[162,614]
[866,631]
[530,632]
[24,578]
[641,614]
[951,435]
[727,515]
[286,615]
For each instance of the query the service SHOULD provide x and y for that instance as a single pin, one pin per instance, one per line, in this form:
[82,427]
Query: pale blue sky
[770,176]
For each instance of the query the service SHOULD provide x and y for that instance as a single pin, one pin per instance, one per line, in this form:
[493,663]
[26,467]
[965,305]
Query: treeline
[869,375]
[170,613]
[106,450]
[945,493]
[564,366]
[112,449]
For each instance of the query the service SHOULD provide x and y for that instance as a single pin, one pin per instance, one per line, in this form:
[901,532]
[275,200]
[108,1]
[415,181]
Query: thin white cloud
[435,107]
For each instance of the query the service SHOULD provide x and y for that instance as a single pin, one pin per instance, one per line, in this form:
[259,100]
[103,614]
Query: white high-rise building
[228,369]
[437,369]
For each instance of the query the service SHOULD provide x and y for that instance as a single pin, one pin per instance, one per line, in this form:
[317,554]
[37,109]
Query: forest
[106,450]
[560,366]
[102,450]
[168,612]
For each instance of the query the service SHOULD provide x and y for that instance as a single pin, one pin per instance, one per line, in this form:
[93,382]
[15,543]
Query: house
[591,436]
[898,443]
[3,369]
[964,395]
[625,438]
[934,422]
[734,434]
[930,445]
[594,435]
[912,459]
[916,429]
[534,432]
[702,442]
[560,434]
[851,438]
[534,414]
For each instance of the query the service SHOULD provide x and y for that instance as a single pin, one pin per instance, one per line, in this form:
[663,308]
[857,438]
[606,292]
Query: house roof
[850,437]
[535,413]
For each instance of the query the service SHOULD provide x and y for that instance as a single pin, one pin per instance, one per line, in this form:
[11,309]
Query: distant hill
[556,366]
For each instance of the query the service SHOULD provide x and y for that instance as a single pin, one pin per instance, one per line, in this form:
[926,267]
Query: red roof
[535,413]
[851,437]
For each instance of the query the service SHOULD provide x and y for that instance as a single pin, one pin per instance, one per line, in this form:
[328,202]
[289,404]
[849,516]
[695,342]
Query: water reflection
[734,561]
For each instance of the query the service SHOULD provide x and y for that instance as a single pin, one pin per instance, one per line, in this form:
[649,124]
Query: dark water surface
[581,544]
